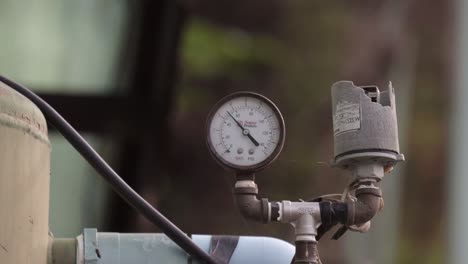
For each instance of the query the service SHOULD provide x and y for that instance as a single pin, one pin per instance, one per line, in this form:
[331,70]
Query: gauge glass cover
[245,131]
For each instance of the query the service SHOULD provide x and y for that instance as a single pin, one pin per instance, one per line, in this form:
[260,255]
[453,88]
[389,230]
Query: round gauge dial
[245,131]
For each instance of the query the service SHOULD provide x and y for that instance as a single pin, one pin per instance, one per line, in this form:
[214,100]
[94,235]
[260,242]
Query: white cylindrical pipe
[24,180]
[110,248]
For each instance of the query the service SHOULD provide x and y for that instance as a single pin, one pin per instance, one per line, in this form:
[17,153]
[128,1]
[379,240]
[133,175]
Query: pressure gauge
[245,131]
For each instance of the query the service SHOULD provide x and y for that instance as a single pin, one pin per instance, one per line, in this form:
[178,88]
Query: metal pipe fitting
[367,205]
[304,216]
[307,217]
[306,252]
[354,212]
[252,208]
[368,170]
[249,205]
[292,211]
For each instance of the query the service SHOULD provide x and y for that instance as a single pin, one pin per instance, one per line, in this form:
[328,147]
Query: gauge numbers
[245,131]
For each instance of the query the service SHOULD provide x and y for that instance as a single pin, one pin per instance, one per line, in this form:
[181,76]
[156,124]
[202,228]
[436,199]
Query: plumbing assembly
[246,132]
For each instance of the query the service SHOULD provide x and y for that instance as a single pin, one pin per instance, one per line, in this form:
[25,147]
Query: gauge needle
[245,132]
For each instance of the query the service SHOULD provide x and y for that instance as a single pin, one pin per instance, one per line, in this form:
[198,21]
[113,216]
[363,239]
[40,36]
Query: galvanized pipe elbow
[250,206]
[367,205]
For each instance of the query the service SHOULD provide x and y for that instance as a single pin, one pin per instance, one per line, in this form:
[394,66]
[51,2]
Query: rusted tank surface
[24,180]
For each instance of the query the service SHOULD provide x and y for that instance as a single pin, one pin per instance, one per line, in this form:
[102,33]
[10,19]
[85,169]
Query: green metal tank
[24,180]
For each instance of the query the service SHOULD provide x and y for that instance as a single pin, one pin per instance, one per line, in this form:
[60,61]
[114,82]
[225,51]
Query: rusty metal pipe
[251,207]
[366,208]
[368,204]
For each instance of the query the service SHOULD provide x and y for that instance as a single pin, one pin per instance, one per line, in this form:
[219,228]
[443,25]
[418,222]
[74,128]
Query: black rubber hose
[115,181]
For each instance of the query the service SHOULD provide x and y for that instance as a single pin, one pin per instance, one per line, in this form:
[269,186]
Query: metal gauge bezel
[272,157]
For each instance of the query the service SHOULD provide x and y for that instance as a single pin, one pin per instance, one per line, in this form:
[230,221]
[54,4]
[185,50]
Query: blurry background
[137,78]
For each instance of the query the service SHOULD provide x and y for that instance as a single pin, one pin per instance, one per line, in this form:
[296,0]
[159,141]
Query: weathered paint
[24,180]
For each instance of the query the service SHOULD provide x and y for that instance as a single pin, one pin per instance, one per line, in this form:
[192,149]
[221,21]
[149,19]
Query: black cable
[116,182]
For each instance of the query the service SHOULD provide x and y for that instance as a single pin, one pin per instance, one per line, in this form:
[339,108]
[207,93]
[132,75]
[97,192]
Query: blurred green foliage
[209,51]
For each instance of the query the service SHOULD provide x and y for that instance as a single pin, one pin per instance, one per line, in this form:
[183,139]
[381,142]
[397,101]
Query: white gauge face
[246,131]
